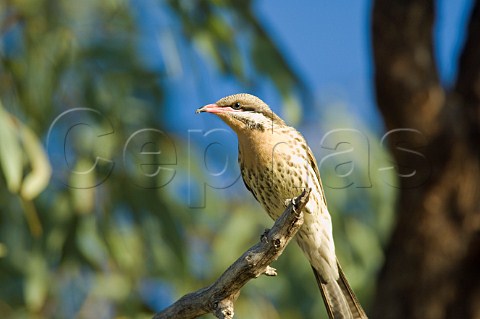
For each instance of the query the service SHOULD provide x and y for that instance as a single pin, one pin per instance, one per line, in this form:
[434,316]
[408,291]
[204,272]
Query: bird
[276,164]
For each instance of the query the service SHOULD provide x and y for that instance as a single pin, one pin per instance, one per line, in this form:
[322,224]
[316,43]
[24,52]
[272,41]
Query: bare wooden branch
[219,297]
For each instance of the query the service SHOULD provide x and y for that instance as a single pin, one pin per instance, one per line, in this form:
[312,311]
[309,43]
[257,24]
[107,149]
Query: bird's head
[243,112]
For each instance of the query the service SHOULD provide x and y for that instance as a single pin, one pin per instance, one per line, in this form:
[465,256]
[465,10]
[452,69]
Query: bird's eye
[236,106]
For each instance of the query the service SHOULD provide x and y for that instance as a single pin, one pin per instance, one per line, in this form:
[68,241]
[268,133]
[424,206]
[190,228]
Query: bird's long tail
[340,301]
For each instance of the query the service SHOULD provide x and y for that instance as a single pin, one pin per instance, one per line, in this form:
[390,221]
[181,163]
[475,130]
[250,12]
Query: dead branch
[219,297]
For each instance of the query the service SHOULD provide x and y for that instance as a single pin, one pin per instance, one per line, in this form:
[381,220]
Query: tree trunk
[432,267]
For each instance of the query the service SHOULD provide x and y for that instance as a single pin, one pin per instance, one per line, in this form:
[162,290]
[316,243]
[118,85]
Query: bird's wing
[314,165]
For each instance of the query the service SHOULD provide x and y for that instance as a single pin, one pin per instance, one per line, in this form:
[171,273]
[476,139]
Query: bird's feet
[293,201]
[289,201]
[264,236]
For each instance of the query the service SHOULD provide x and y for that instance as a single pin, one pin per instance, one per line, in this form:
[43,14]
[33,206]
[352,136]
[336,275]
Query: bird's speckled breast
[276,165]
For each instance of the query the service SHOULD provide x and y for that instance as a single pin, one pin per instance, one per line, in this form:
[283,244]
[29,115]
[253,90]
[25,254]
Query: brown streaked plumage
[276,164]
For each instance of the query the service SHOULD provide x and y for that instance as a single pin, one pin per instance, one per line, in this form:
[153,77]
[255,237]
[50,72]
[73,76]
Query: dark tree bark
[432,267]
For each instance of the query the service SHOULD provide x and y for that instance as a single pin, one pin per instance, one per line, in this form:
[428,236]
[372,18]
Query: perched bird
[276,165]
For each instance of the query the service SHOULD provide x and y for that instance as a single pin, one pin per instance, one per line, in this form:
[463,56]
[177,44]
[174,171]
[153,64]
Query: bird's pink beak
[211,108]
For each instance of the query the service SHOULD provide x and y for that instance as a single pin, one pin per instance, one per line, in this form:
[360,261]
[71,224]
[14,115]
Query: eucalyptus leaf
[10,151]
[39,176]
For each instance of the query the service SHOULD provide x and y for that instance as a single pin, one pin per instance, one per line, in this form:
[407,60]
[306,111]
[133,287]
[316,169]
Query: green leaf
[83,175]
[36,284]
[3,250]
[37,180]
[10,152]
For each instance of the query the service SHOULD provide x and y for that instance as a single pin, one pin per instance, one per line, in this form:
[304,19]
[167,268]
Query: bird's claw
[264,237]
[289,201]
[294,201]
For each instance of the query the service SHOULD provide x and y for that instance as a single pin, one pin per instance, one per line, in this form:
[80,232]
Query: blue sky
[328,41]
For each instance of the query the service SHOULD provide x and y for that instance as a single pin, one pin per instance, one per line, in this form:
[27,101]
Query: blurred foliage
[100,241]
